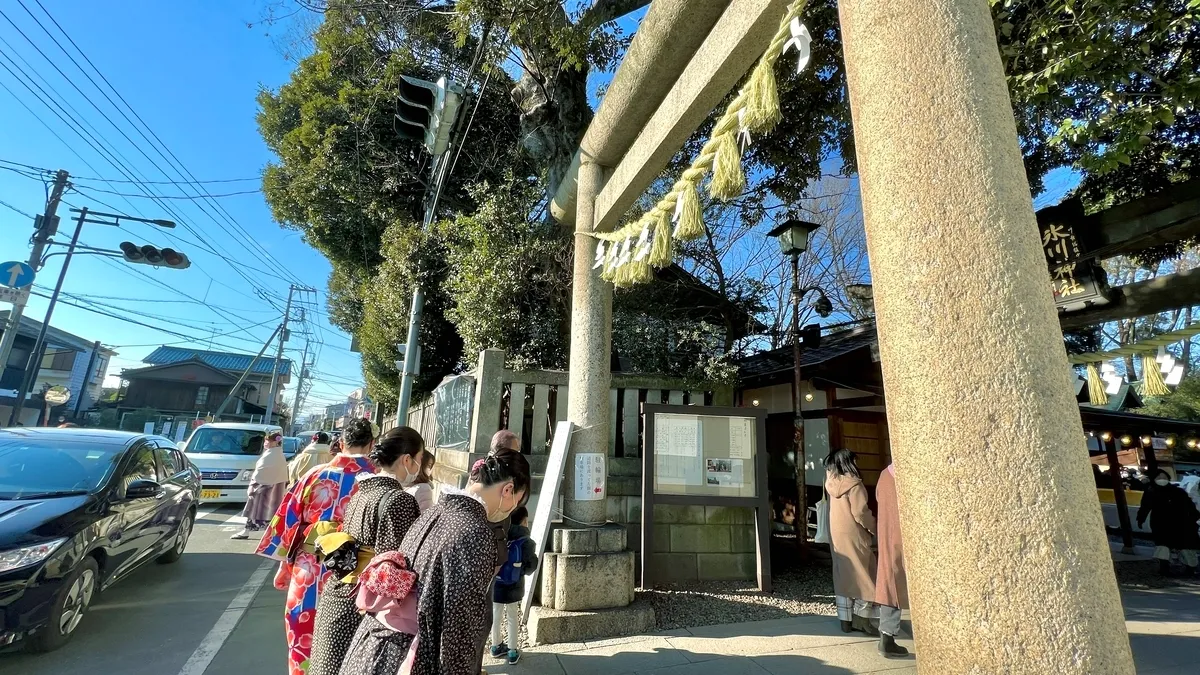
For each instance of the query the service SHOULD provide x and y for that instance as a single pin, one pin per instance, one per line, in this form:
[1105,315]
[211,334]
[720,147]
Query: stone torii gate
[1007,574]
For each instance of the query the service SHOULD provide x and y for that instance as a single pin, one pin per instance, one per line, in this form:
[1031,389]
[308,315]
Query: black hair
[357,433]
[501,465]
[843,463]
[519,515]
[321,437]
[396,443]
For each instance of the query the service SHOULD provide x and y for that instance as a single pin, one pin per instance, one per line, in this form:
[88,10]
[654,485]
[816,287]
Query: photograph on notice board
[723,472]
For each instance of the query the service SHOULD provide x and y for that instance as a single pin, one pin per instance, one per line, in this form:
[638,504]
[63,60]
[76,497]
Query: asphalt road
[214,611]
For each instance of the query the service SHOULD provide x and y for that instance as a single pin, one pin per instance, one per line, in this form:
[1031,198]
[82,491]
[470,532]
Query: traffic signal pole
[45,229]
[34,365]
[412,346]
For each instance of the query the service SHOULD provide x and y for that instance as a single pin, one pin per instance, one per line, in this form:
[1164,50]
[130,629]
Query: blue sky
[190,69]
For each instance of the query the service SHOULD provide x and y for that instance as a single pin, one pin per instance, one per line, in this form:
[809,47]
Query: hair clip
[478,465]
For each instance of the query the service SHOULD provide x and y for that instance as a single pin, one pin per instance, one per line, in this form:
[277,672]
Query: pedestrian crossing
[223,517]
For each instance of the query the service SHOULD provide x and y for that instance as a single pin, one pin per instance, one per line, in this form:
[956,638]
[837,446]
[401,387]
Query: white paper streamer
[626,254]
[743,134]
[801,39]
[643,243]
[599,256]
[613,253]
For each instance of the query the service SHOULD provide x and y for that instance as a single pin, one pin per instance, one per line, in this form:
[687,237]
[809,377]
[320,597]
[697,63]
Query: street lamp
[793,238]
[34,365]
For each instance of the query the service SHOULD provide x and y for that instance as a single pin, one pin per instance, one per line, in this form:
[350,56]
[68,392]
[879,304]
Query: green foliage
[1110,86]
[1181,404]
[506,276]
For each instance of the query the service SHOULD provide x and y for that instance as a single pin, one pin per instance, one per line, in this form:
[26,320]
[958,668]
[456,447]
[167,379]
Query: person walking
[421,487]
[268,485]
[509,586]
[891,581]
[1173,518]
[315,454]
[313,506]
[431,621]
[851,527]
[376,520]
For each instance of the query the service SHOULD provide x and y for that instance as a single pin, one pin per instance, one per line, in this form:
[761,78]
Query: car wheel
[181,539]
[69,607]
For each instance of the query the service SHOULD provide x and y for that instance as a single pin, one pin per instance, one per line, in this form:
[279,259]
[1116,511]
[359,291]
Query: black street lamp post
[793,238]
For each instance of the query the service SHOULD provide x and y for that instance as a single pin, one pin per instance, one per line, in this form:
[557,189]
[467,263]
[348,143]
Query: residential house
[184,382]
[68,360]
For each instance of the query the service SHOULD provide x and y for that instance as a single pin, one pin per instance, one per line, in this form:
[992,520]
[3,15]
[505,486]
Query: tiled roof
[55,336]
[832,346]
[219,360]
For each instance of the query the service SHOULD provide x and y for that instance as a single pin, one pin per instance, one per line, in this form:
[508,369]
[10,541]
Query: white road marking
[236,521]
[198,663]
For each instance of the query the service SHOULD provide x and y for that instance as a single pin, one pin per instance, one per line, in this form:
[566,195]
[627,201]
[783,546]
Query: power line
[13,208]
[171,182]
[122,168]
[178,164]
[188,197]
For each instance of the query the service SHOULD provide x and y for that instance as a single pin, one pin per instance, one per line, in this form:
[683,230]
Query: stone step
[553,626]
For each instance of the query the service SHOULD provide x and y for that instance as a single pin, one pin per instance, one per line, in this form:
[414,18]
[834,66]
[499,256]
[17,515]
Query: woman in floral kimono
[319,499]
[451,552]
[376,520]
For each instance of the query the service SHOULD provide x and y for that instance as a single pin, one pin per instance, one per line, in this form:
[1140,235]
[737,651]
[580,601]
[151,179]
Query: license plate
[210,494]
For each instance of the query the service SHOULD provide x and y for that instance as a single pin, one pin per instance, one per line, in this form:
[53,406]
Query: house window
[201,395]
[59,359]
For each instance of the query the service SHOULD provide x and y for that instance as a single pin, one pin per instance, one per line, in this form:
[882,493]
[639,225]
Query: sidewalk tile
[835,660]
[530,663]
[720,666]
[622,659]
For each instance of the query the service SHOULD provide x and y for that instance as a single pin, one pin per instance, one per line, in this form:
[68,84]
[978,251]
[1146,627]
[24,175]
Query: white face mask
[500,514]
[1161,481]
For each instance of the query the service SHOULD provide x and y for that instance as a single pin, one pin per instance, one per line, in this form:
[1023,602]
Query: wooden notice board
[706,456]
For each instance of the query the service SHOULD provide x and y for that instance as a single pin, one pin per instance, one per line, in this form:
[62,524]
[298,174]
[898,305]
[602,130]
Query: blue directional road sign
[16,274]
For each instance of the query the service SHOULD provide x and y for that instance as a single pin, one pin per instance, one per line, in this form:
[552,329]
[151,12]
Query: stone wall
[690,542]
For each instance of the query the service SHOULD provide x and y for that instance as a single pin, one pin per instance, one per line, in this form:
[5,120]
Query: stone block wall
[690,542]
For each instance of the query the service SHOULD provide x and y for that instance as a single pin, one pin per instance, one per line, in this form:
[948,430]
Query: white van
[226,452]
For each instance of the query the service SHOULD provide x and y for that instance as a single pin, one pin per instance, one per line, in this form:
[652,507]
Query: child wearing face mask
[1173,525]
[433,621]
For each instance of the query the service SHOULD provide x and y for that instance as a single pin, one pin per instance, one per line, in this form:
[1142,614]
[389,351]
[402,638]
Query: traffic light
[150,255]
[426,111]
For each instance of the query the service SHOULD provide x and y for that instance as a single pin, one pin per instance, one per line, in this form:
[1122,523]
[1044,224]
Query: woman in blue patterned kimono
[313,506]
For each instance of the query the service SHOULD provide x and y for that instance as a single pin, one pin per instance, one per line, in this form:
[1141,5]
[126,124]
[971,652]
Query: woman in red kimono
[320,496]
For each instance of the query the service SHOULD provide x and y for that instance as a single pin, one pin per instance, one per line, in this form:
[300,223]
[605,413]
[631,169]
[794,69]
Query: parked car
[292,445]
[81,509]
[226,453]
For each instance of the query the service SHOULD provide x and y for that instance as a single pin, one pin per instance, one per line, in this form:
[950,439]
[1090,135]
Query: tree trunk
[554,115]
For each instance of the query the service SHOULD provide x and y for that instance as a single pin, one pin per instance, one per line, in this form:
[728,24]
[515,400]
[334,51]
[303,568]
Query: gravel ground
[1144,574]
[797,592]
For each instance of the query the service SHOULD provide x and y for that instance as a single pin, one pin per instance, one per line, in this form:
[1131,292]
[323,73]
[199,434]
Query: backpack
[510,573]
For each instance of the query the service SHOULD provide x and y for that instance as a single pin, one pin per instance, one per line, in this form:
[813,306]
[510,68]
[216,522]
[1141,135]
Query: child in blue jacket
[510,585]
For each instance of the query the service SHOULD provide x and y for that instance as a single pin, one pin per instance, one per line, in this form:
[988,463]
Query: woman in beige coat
[891,582]
[851,527]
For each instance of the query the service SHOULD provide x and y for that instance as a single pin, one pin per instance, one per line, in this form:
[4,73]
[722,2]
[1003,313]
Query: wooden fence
[531,402]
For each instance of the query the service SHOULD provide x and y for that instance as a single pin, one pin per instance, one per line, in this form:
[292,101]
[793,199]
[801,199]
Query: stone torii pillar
[1008,563]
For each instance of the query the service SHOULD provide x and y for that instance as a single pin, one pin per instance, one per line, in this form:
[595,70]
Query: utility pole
[300,383]
[245,374]
[45,228]
[283,336]
[34,364]
[145,255]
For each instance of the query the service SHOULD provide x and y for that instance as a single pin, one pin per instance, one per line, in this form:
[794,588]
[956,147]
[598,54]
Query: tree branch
[604,11]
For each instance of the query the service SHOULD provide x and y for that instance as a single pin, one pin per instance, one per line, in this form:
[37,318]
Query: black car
[79,510]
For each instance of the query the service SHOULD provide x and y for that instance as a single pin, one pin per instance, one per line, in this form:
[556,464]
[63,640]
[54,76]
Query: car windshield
[32,467]
[226,441]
